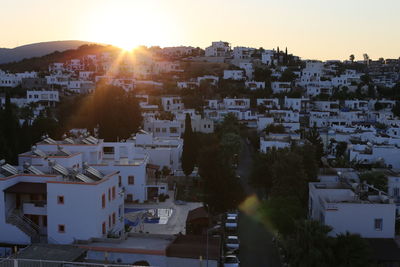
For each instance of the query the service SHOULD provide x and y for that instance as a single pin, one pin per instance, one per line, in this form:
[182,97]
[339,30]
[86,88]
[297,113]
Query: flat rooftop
[135,243]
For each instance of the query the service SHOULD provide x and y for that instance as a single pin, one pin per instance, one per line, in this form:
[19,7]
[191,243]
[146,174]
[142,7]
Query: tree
[315,139]
[378,106]
[396,109]
[351,251]
[352,58]
[375,178]
[274,128]
[115,111]
[189,148]
[310,245]
[230,145]
[287,76]
[222,190]
[341,148]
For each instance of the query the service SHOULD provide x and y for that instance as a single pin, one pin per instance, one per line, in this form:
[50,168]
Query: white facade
[60,210]
[236,75]
[338,206]
[237,103]
[281,87]
[171,103]
[218,49]
[267,57]
[254,85]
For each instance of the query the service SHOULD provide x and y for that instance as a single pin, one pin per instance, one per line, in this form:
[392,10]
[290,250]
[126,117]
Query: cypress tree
[189,148]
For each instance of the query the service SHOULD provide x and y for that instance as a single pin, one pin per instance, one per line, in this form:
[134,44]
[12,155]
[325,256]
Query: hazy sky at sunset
[317,29]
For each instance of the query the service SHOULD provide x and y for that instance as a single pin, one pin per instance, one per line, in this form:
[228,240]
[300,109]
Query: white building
[44,98]
[353,208]
[171,103]
[54,207]
[254,85]
[240,52]
[218,49]
[281,87]
[124,157]
[237,103]
[267,57]
[236,75]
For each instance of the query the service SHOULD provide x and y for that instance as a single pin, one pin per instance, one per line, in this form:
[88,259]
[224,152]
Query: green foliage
[288,76]
[274,128]
[314,138]
[341,148]
[375,178]
[351,251]
[309,246]
[378,105]
[262,74]
[189,153]
[230,145]
[115,111]
[396,109]
[222,190]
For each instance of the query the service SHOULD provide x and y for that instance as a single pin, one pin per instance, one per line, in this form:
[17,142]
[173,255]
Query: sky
[311,29]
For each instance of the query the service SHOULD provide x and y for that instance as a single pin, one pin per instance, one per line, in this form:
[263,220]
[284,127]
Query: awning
[27,188]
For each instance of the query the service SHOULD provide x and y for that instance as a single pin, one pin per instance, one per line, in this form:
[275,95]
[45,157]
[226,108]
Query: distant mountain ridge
[37,50]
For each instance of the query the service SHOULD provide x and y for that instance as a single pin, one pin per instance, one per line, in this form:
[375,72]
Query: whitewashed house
[345,208]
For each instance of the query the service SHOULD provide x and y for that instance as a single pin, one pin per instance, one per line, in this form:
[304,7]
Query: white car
[232,242]
[232,214]
[231,222]
[231,261]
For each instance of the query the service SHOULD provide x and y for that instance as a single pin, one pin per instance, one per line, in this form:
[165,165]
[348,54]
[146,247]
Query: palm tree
[351,250]
[352,58]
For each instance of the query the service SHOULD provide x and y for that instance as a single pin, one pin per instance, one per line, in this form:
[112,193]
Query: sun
[129,27]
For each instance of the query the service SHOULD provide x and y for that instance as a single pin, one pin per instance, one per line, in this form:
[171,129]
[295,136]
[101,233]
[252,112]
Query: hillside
[42,63]
[36,50]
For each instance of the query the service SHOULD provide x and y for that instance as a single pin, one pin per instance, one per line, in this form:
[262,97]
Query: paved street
[256,248]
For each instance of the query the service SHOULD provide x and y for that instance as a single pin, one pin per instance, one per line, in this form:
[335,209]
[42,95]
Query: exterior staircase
[25,225]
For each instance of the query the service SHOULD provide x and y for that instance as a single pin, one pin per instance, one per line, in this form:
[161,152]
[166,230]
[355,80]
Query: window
[157,130]
[60,200]
[113,192]
[109,194]
[378,224]
[108,150]
[61,228]
[396,191]
[164,130]
[119,181]
[113,218]
[131,179]
[103,201]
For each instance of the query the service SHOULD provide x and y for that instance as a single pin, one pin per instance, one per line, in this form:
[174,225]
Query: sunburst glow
[137,23]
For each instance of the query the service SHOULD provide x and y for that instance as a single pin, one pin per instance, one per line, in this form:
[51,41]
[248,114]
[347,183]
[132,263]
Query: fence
[44,263]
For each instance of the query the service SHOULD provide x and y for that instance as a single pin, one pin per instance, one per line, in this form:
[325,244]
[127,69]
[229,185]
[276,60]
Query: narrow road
[256,247]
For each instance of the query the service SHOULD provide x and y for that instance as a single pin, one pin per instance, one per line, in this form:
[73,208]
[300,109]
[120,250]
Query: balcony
[34,207]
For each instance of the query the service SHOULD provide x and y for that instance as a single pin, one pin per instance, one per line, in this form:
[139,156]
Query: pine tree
[189,148]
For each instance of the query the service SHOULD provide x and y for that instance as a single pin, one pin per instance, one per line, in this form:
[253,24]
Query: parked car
[232,242]
[231,222]
[232,214]
[231,261]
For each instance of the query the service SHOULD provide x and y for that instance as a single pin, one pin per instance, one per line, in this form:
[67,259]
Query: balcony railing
[34,207]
